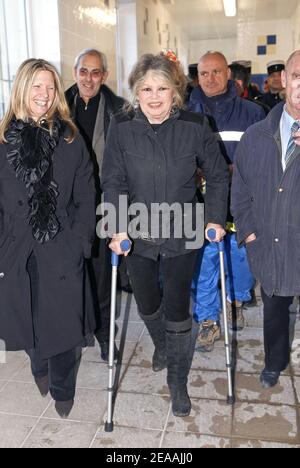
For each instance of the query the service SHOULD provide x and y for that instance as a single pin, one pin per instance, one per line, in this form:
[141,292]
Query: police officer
[274,96]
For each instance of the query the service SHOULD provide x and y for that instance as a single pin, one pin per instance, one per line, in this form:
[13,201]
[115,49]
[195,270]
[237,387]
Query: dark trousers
[168,280]
[276,331]
[100,275]
[63,368]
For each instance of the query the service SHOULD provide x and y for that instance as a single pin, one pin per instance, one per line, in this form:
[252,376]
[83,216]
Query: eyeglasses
[84,73]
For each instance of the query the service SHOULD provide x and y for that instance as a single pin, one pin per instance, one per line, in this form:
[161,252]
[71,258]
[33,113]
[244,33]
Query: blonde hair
[19,106]
[171,72]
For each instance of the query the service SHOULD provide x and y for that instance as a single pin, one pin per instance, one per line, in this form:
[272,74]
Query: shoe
[269,379]
[236,320]
[209,332]
[104,348]
[64,408]
[252,302]
[42,384]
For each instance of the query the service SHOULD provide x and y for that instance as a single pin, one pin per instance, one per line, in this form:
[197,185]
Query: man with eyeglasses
[92,105]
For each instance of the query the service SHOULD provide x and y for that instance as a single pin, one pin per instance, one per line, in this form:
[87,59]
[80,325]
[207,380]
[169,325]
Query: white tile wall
[150,42]
[226,46]
[80,32]
[244,45]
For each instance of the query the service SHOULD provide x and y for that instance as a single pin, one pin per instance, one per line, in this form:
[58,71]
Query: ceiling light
[229,7]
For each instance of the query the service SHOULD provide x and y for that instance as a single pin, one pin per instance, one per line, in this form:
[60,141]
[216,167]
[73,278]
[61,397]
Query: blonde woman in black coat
[47,224]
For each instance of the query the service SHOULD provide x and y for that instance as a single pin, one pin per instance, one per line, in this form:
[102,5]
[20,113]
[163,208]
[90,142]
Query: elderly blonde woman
[47,218]
[152,156]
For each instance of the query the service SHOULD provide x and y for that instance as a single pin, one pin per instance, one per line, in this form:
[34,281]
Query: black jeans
[168,280]
[100,275]
[276,331]
[63,368]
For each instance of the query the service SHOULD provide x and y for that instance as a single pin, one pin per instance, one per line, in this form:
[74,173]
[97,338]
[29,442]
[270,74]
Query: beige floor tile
[254,317]
[141,411]
[209,385]
[94,375]
[61,434]
[93,354]
[14,429]
[297,387]
[186,440]
[208,417]
[295,357]
[143,353]
[127,437]
[260,444]
[24,374]
[250,360]
[143,380]
[2,384]
[214,361]
[266,422]
[132,331]
[22,398]
[248,388]
[14,362]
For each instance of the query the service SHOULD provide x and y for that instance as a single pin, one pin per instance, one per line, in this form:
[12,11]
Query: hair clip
[170,54]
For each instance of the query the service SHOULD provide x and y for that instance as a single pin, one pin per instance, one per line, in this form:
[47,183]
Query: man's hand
[250,238]
[220,232]
[115,244]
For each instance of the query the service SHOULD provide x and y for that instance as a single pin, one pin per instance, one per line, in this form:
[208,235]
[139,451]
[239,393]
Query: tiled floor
[142,416]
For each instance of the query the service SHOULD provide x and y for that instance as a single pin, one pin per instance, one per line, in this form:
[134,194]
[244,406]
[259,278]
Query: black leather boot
[178,363]
[156,328]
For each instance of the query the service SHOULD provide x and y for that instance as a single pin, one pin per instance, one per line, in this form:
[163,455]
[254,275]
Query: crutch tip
[109,427]
[230,400]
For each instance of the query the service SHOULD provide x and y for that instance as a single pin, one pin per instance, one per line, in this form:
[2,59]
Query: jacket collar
[198,95]
[143,124]
[112,101]
[272,121]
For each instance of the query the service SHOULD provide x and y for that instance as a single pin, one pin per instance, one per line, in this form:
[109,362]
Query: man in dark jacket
[265,194]
[229,117]
[92,105]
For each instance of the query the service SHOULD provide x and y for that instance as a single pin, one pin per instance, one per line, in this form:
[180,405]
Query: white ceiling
[205,19]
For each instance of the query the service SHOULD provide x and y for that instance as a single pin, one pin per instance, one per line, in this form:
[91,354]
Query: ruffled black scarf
[31,158]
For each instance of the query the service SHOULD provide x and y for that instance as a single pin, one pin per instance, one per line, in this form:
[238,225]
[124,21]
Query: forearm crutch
[221,246]
[125,246]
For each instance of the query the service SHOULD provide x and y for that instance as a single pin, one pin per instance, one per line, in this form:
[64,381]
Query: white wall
[87,24]
[199,48]
[244,45]
[247,42]
[296,29]
[44,30]
[127,43]
[169,32]
[134,40]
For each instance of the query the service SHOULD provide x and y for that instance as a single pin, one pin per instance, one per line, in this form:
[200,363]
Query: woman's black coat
[65,309]
[159,165]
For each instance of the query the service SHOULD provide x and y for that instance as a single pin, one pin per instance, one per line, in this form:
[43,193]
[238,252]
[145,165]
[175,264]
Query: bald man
[229,116]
